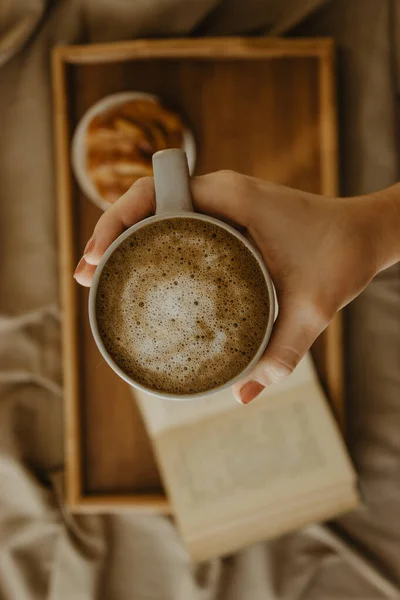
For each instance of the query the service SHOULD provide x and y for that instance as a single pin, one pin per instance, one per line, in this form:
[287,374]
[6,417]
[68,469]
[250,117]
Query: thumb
[226,195]
[295,330]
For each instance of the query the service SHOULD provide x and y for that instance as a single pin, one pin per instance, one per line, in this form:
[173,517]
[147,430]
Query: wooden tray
[264,107]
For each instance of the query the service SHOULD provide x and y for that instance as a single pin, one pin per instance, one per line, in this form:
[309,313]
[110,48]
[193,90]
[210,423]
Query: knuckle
[312,311]
[228,182]
[317,315]
[278,368]
[143,181]
[229,177]
[236,183]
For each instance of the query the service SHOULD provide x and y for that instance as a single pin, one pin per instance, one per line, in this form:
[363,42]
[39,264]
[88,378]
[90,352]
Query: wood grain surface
[265,108]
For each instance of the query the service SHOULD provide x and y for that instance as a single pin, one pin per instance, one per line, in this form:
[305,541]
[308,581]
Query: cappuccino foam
[182,306]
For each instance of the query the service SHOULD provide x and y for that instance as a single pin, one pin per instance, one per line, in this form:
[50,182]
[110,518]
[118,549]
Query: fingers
[296,329]
[84,273]
[225,194]
[136,204]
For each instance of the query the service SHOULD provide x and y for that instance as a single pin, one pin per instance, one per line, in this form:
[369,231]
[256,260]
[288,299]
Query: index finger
[136,204]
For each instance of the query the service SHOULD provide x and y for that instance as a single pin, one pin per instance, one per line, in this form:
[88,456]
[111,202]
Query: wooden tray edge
[334,345]
[218,47]
[139,503]
[72,441]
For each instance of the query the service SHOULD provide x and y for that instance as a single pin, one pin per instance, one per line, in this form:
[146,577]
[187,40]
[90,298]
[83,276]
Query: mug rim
[93,296]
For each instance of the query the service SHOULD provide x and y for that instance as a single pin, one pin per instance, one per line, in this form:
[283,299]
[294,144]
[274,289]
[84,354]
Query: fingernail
[89,246]
[249,391]
[79,266]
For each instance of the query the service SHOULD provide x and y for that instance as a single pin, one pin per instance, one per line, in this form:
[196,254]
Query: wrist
[380,216]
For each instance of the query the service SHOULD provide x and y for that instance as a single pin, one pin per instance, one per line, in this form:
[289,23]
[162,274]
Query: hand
[317,250]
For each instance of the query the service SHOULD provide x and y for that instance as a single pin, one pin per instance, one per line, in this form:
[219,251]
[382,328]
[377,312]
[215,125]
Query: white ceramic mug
[173,200]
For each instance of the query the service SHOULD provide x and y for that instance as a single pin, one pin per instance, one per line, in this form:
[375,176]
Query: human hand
[316,249]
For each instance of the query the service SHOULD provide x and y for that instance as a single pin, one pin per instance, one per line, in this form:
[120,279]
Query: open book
[239,474]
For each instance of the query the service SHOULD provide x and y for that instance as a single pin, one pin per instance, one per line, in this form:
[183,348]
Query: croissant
[120,143]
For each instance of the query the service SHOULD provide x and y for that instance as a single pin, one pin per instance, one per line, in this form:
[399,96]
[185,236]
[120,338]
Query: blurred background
[45,552]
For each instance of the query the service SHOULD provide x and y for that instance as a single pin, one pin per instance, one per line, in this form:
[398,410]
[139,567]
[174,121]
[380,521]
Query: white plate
[78,150]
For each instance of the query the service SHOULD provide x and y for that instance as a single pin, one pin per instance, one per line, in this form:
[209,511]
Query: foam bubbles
[182,306]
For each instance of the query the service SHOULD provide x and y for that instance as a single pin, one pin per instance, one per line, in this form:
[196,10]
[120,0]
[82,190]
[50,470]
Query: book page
[229,535]
[225,466]
[270,450]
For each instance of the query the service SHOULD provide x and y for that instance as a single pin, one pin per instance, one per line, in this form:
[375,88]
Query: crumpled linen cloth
[45,553]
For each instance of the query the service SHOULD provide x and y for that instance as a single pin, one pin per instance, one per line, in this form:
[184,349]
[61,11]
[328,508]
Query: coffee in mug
[182,306]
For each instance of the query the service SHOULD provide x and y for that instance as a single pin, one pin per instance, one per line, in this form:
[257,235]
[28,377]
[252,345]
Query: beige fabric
[44,552]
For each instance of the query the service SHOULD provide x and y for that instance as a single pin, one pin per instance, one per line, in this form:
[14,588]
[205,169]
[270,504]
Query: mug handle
[171,181]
